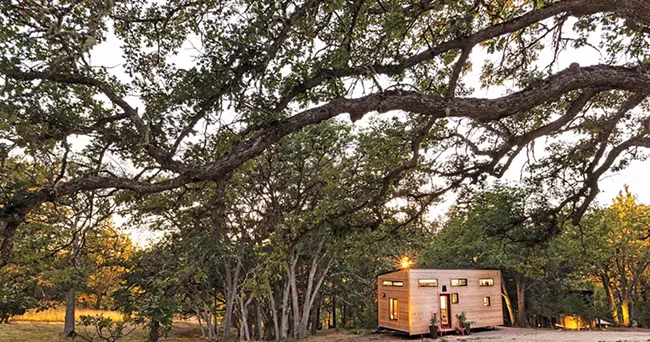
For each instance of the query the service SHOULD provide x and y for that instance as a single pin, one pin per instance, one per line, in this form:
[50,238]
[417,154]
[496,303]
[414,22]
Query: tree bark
[315,318]
[232,280]
[244,331]
[610,298]
[333,311]
[625,312]
[295,304]
[70,300]
[154,331]
[274,314]
[258,321]
[68,325]
[198,319]
[98,302]
[284,330]
[506,298]
[522,319]
[313,286]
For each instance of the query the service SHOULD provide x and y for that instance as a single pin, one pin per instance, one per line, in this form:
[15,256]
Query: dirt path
[505,334]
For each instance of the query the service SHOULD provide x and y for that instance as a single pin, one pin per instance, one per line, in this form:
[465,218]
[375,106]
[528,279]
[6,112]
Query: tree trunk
[625,311]
[208,320]
[154,331]
[334,311]
[198,319]
[610,298]
[506,298]
[313,285]
[230,304]
[258,321]
[244,332]
[232,281]
[98,302]
[68,326]
[343,317]
[522,319]
[291,273]
[315,318]
[284,331]
[227,322]
[274,313]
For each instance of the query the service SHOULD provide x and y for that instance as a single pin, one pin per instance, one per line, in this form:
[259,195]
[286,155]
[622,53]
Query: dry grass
[31,332]
[56,315]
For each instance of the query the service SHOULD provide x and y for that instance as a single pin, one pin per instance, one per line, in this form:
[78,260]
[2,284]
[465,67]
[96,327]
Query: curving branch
[625,8]
[132,113]
[482,110]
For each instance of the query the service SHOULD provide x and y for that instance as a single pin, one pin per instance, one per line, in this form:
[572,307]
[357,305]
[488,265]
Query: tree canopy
[262,70]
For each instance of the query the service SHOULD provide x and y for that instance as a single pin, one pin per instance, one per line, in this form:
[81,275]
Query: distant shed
[408,298]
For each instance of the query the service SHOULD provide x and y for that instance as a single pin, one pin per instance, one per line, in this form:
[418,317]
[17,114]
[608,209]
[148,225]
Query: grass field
[46,325]
[58,315]
[33,332]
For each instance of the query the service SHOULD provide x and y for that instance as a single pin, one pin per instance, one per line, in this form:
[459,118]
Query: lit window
[454,298]
[428,282]
[486,301]
[459,282]
[486,282]
[392,283]
[393,308]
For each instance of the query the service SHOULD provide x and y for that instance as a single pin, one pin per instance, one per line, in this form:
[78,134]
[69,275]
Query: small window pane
[428,282]
[486,282]
[387,283]
[454,298]
[486,301]
[398,283]
[459,282]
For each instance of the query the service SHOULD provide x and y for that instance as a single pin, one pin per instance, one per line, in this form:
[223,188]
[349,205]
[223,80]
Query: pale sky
[109,54]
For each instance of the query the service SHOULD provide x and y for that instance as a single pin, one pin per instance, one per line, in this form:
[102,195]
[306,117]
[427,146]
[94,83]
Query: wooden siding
[399,293]
[425,300]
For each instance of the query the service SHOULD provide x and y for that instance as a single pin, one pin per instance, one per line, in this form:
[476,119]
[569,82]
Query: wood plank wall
[416,304]
[425,300]
[401,294]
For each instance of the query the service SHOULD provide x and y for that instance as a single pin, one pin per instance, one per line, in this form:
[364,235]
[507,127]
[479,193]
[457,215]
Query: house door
[445,312]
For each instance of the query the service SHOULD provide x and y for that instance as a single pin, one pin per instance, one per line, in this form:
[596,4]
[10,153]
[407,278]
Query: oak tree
[262,70]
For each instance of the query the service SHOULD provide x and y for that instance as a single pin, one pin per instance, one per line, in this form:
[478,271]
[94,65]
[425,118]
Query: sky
[636,175]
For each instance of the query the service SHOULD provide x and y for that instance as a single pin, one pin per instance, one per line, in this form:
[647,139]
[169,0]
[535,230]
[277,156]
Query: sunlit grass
[36,332]
[58,315]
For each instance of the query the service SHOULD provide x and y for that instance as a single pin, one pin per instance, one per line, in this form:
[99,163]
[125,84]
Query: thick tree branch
[132,113]
[573,7]
[482,110]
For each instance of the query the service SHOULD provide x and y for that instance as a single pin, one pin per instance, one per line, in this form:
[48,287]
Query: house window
[454,298]
[428,283]
[486,282]
[393,283]
[486,301]
[459,282]
[393,308]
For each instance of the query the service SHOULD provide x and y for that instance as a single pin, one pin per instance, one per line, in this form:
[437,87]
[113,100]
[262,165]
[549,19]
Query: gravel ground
[504,334]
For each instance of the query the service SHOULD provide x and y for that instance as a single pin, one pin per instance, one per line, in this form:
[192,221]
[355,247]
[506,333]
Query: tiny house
[407,298]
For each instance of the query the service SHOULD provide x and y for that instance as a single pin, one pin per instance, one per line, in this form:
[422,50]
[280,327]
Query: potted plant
[433,325]
[463,323]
